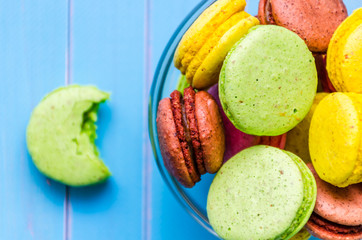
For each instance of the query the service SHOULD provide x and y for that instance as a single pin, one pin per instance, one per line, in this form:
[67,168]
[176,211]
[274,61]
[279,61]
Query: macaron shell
[278,84]
[169,144]
[208,72]
[61,133]
[335,139]
[236,140]
[297,140]
[211,131]
[258,194]
[344,56]
[202,28]
[211,42]
[301,235]
[314,21]
[322,232]
[338,205]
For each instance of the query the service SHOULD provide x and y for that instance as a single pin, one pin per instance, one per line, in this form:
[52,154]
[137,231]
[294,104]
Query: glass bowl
[164,82]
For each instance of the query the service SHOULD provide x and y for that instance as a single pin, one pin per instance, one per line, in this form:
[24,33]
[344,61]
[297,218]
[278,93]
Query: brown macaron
[338,211]
[191,135]
[314,21]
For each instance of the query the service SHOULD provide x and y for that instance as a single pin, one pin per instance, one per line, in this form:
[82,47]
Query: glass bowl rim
[154,97]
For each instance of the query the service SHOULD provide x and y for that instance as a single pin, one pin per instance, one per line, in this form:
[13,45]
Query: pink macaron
[338,211]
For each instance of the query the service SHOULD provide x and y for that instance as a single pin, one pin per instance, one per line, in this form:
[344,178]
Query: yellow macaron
[297,138]
[335,139]
[344,55]
[204,46]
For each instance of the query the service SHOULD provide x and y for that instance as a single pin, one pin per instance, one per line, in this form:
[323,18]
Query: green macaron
[261,193]
[61,134]
[268,81]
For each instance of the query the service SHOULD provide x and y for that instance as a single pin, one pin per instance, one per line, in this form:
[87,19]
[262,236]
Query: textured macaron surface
[313,21]
[260,193]
[335,136]
[297,140]
[338,205]
[61,135]
[268,81]
[344,56]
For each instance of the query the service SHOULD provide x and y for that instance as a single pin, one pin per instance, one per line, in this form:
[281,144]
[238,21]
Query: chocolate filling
[335,228]
[268,13]
[189,102]
[183,135]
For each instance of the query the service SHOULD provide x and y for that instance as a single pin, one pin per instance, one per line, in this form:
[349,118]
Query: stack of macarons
[256,93]
[202,49]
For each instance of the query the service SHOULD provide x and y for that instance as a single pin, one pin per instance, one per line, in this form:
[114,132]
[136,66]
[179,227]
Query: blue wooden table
[114,45]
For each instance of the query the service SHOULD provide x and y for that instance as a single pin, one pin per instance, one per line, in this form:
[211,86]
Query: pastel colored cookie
[302,235]
[297,141]
[268,81]
[190,134]
[236,140]
[261,193]
[204,46]
[335,139]
[338,211]
[344,56]
[314,21]
[61,134]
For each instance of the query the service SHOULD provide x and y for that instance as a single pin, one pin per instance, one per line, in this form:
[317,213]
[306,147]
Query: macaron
[61,133]
[236,140]
[324,83]
[335,139]
[338,211]
[302,235]
[268,81]
[205,44]
[314,21]
[297,141]
[191,135]
[261,193]
[344,56]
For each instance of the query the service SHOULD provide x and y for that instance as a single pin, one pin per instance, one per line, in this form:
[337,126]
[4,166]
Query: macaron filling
[309,190]
[267,14]
[181,126]
[320,222]
[192,129]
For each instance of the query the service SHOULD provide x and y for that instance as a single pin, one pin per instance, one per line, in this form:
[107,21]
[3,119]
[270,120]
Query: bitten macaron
[191,135]
[261,193]
[205,44]
[344,56]
[268,81]
[61,133]
[337,212]
[314,21]
[335,139]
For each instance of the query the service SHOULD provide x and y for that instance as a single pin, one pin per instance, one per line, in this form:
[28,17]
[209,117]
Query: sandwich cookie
[261,193]
[191,135]
[204,46]
[338,211]
[268,81]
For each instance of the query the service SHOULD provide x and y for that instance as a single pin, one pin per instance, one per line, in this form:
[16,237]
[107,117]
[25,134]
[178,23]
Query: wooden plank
[107,43]
[32,63]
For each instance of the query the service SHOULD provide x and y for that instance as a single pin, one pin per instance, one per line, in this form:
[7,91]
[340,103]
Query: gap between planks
[68,81]
[147,164]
